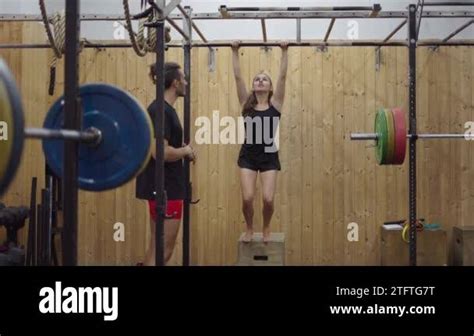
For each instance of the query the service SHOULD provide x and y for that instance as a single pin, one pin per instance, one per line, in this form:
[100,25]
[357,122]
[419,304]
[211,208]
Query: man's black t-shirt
[174,171]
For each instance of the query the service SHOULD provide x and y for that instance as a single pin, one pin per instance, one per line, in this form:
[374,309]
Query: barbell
[114,144]
[390,135]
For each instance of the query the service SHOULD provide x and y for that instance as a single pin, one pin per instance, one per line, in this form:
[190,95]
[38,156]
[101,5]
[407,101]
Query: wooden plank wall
[326,181]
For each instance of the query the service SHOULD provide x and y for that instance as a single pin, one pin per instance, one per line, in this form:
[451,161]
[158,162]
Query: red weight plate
[400,136]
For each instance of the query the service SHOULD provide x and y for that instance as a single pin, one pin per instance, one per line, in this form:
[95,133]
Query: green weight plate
[381,129]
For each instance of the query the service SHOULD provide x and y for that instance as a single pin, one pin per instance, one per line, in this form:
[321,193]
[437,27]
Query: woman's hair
[251,101]
[171,73]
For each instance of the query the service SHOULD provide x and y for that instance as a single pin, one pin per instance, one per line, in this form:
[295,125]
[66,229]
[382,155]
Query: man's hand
[190,154]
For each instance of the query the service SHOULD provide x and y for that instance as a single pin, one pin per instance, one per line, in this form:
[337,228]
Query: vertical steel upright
[412,41]
[72,120]
[187,27]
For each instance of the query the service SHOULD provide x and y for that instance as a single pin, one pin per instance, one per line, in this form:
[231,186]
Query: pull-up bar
[375,7]
[458,3]
[341,43]
[334,43]
[262,15]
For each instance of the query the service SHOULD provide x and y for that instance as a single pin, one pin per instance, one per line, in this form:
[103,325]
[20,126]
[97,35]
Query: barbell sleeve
[91,135]
[443,136]
[364,136]
[373,136]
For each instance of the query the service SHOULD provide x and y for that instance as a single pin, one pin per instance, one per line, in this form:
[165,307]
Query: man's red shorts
[174,209]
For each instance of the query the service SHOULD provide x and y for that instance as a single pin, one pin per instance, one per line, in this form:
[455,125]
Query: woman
[261,108]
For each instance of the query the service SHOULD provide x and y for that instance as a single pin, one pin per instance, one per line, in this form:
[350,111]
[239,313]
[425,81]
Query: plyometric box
[463,237]
[258,253]
[431,248]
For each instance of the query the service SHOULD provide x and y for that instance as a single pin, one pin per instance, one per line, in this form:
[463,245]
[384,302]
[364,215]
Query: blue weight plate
[127,134]
[11,127]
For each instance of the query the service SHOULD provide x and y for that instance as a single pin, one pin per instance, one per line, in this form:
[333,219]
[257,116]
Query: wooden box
[258,253]
[463,237]
[431,249]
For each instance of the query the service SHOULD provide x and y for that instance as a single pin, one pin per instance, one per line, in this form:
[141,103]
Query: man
[175,153]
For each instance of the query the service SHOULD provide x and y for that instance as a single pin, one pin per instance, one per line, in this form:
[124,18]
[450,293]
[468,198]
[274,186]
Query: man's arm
[173,154]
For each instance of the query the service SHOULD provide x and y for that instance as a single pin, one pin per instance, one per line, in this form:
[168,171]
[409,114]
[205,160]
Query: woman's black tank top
[261,128]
